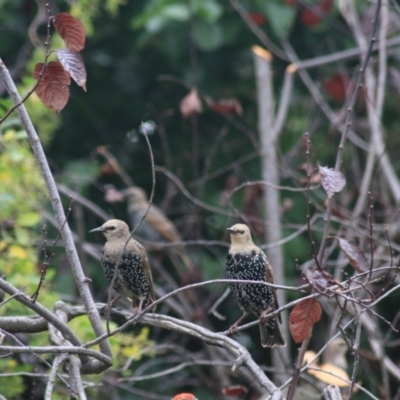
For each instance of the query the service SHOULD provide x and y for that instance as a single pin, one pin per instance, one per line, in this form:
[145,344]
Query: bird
[184,396]
[156,227]
[245,261]
[133,277]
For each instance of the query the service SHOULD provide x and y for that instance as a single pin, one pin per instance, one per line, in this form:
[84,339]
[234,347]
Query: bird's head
[240,235]
[113,229]
[135,195]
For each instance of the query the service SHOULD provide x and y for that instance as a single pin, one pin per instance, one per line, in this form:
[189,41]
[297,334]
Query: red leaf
[71,30]
[227,106]
[336,85]
[184,396]
[355,255]
[318,278]
[302,319]
[53,88]
[73,64]
[257,18]
[309,17]
[325,6]
[191,104]
[233,390]
[333,181]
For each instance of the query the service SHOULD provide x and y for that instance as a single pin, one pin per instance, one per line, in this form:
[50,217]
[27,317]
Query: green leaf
[280,17]
[178,12]
[207,36]
[80,173]
[207,10]
[28,219]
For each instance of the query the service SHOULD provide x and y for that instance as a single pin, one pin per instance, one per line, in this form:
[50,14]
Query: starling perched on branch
[133,277]
[156,227]
[245,261]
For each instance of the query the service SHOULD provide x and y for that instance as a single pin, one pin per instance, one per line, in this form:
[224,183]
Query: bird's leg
[136,311]
[107,308]
[263,314]
[234,328]
[140,305]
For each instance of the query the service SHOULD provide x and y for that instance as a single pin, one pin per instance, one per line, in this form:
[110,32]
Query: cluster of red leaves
[55,76]
[312,16]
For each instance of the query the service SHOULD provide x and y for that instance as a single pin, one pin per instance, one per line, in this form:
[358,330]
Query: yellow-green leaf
[28,219]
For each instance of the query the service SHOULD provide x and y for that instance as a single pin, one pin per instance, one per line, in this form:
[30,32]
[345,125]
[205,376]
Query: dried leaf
[233,390]
[71,30]
[302,319]
[53,88]
[309,356]
[191,104]
[333,181]
[318,278]
[331,374]
[73,64]
[113,195]
[227,106]
[355,255]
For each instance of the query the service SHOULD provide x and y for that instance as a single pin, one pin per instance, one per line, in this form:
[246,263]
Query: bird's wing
[269,276]
[162,224]
[146,269]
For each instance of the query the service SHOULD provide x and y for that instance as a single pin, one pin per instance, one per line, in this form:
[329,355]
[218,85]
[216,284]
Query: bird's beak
[99,229]
[231,230]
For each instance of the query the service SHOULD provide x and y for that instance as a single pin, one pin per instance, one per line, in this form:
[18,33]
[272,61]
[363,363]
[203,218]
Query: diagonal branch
[70,248]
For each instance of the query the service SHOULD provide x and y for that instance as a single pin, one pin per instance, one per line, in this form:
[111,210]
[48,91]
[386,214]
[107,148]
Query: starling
[133,277]
[245,261]
[156,227]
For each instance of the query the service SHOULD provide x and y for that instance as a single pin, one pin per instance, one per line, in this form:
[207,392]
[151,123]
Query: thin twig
[58,360]
[76,268]
[47,259]
[153,187]
[47,45]
[339,155]
[115,165]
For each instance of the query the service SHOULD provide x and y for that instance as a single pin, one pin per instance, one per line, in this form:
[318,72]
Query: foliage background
[131,45]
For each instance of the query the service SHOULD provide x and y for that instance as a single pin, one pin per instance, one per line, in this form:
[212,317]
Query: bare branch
[72,254]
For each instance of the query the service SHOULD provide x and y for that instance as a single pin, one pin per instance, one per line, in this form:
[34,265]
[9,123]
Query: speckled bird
[245,261]
[156,227]
[133,277]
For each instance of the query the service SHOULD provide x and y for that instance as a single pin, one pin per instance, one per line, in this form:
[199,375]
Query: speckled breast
[251,298]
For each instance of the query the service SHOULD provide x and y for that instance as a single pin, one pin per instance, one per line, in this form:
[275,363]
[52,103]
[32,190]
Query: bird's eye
[111,228]
[241,232]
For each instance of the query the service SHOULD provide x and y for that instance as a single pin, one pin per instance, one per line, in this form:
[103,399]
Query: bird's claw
[263,314]
[233,330]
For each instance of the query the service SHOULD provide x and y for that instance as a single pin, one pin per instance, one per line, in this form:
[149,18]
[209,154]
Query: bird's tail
[271,334]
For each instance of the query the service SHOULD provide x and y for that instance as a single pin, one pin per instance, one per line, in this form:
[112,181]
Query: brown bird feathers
[133,276]
[245,261]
